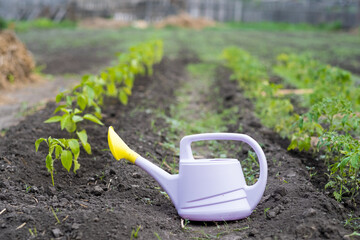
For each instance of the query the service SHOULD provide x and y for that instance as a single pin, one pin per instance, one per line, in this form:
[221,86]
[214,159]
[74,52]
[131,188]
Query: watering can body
[206,189]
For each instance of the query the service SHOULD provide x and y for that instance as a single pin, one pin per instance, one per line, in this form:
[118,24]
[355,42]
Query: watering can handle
[253,192]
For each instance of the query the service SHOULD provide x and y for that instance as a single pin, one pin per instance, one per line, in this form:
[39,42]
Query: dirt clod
[136,175]
[97,191]
[57,233]
[309,212]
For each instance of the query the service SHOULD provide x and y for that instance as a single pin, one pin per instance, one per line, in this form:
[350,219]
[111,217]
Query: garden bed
[107,199]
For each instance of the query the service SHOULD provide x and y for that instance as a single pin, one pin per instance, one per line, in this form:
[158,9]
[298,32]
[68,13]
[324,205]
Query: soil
[21,100]
[108,199]
[72,60]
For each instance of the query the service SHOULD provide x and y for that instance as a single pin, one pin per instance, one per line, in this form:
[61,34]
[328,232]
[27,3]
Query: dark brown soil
[108,199]
[70,60]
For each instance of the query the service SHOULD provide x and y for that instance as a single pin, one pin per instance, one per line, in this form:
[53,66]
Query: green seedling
[332,122]
[302,71]
[273,110]
[56,217]
[67,150]
[84,101]
[266,210]
[27,188]
[135,233]
[352,222]
[33,232]
[157,236]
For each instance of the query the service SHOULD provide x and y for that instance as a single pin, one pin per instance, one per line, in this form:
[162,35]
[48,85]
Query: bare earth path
[16,103]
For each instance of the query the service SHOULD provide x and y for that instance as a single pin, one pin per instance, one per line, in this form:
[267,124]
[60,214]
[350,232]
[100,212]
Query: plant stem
[52,178]
[57,219]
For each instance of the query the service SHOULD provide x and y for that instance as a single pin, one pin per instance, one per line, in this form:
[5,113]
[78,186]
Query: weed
[33,232]
[3,132]
[250,166]
[27,188]
[353,222]
[157,236]
[266,210]
[54,213]
[41,23]
[135,233]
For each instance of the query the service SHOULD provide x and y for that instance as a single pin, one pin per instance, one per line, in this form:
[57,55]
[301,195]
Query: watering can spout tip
[118,147]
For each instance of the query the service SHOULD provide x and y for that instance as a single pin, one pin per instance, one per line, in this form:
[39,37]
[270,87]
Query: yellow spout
[119,149]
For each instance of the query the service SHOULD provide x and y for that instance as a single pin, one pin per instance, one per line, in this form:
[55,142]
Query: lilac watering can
[204,189]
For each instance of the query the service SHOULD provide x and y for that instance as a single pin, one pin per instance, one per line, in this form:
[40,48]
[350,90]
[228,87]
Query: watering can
[204,189]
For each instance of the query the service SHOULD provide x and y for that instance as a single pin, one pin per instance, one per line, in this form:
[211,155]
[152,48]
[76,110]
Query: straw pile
[16,62]
[184,20]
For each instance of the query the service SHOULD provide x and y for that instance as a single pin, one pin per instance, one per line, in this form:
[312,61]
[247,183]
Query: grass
[264,40]
[283,26]
[39,23]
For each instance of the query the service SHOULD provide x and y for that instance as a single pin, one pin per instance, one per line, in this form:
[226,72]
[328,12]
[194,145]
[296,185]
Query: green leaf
[49,163]
[58,151]
[68,101]
[354,234]
[77,111]
[59,97]
[129,81]
[92,118]
[83,139]
[37,143]
[81,101]
[355,161]
[91,94]
[111,89]
[64,119]
[337,196]
[87,148]
[76,165]
[82,136]
[98,115]
[343,163]
[75,147]
[301,122]
[77,118]
[127,90]
[66,159]
[294,143]
[123,97]
[59,108]
[53,119]
[69,124]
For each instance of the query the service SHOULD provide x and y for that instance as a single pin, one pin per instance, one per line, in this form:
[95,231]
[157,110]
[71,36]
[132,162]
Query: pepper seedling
[67,150]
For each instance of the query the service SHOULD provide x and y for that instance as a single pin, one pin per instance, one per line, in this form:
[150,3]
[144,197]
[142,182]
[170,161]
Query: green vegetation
[3,24]
[302,71]
[332,121]
[135,233]
[68,150]
[39,23]
[329,126]
[336,48]
[84,101]
[273,110]
[282,26]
